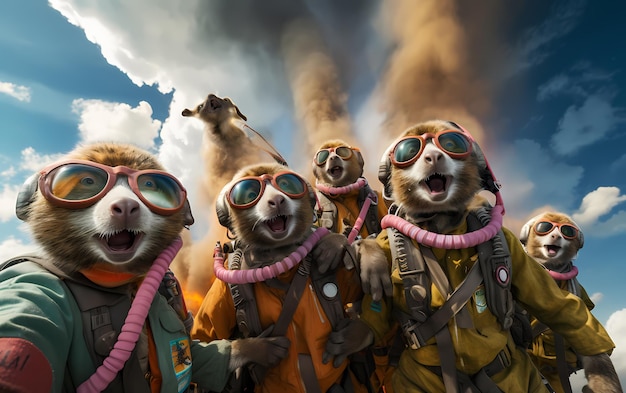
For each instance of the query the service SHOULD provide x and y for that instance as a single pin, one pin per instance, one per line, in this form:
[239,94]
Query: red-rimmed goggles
[568,231]
[344,152]
[78,184]
[247,191]
[408,149]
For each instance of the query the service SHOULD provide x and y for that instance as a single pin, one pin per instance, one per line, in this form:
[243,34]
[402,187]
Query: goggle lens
[245,192]
[290,184]
[343,152]
[160,190]
[453,142]
[77,182]
[321,157]
[568,231]
[407,149]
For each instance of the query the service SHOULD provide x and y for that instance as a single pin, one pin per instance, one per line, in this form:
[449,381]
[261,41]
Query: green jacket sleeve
[210,364]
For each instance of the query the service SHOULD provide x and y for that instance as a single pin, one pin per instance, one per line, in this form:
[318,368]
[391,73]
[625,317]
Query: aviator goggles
[79,184]
[568,231]
[247,191]
[344,152]
[408,149]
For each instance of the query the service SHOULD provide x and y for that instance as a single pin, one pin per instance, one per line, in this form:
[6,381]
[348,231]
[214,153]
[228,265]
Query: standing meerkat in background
[553,239]
[87,314]
[453,274]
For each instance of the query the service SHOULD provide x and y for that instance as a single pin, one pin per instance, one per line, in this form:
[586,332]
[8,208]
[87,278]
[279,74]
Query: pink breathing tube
[448,242]
[249,276]
[371,198]
[133,324]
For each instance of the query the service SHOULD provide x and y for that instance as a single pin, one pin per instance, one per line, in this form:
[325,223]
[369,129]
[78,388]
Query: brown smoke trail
[319,99]
[435,69]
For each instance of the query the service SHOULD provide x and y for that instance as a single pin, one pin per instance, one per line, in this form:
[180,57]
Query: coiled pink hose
[448,242]
[249,276]
[371,198]
[133,324]
[360,183]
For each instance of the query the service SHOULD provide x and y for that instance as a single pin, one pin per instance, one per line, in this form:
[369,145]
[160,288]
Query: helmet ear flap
[26,196]
[525,231]
[384,173]
[222,210]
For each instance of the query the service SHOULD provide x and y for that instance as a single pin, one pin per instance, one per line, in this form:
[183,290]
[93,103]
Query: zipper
[317,306]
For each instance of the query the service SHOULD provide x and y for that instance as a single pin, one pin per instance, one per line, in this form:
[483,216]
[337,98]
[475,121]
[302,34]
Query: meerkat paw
[351,336]
[331,251]
[601,375]
[374,268]
[265,351]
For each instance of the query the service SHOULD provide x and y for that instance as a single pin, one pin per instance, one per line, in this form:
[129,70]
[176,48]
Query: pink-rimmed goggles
[77,184]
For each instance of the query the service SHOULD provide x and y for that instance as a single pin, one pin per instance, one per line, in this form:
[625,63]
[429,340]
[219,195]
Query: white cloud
[584,125]
[12,247]
[596,297]
[116,122]
[32,161]
[8,195]
[597,204]
[22,93]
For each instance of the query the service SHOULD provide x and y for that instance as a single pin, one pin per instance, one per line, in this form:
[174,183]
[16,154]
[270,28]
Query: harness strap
[561,364]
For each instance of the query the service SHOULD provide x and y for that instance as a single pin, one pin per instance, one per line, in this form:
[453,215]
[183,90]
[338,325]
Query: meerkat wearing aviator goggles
[107,219]
[553,239]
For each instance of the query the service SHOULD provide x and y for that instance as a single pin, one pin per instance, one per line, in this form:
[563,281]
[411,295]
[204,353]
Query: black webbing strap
[290,303]
[561,363]
[439,319]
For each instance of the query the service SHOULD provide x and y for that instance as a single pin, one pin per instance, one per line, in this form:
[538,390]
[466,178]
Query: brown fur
[349,170]
[263,246]
[67,235]
[437,216]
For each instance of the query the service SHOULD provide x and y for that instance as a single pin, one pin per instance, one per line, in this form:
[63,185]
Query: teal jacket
[36,305]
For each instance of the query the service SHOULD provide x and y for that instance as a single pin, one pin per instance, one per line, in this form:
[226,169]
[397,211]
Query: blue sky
[541,87]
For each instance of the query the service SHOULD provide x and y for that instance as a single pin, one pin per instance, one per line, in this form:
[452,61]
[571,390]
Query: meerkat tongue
[437,184]
[277,224]
[121,241]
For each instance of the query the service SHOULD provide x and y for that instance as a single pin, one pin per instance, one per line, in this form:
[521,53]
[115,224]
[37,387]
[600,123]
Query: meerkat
[269,209]
[452,274]
[344,195]
[104,218]
[553,239]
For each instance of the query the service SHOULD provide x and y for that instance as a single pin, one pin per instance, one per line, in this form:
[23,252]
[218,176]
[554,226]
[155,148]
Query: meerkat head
[215,111]
[433,170]
[106,204]
[337,164]
[267,206]
[552,239]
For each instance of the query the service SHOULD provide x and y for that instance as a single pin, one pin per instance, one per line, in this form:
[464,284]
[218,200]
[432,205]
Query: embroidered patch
[480,299]
[181,360]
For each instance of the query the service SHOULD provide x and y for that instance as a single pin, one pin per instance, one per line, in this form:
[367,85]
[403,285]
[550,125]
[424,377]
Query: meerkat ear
[239,113]
[187,112]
